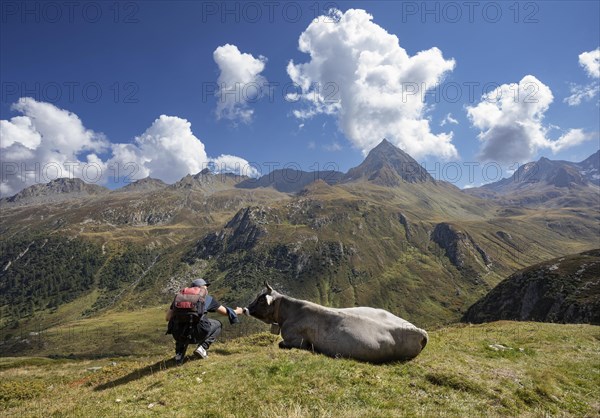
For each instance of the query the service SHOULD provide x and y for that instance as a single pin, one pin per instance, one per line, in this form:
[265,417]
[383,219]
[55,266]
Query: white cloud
[569,139]
[239,82]
[581,93]
[359,73]
[19,129]
[590,61]
[232,164]
[448,120]
[167,150]
[510,122]
[47,142]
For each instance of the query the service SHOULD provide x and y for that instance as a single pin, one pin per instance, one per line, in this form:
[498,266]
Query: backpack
[189,308]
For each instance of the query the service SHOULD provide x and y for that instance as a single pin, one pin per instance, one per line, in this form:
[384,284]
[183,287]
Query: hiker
[188,322]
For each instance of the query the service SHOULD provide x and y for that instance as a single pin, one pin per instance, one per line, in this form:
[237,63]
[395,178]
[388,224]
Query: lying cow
[362,333]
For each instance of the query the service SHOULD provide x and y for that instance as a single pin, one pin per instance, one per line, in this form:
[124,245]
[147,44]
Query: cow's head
[263,306]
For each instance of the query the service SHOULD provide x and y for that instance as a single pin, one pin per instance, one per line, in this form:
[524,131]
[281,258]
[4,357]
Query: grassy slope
[555,373]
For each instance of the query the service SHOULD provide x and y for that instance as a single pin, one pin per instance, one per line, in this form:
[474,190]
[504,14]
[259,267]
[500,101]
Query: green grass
[550,369]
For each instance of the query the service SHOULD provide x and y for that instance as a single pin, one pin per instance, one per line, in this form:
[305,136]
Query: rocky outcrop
[406,224]
[459,246]
[242,232]
[565,290]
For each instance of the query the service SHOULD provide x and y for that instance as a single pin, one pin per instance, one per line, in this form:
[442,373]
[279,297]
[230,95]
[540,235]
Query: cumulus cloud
[239,82]
[510,122]
[47,142]
[167,150]
[590,61]
[359,73]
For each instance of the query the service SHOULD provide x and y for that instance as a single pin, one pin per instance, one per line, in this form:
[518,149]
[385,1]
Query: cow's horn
[269,288]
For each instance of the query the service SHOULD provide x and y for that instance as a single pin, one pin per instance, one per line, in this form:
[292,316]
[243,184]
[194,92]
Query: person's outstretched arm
[223,310]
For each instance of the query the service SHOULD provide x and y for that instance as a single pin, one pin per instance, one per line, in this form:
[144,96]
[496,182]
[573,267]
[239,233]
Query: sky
[111,92]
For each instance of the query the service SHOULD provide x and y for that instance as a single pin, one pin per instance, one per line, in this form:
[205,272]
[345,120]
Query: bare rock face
[241,233]
[565,289]
[458,245]
[404,221]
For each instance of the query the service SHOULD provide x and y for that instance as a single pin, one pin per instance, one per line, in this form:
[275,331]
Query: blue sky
[117,67]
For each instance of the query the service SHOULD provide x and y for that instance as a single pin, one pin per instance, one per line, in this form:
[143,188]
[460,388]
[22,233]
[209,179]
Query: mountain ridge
[564,289]
[362,240]
[385,165]
[55,190]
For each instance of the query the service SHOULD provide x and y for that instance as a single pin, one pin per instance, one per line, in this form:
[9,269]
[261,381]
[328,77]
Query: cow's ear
[269,299]
[269,288]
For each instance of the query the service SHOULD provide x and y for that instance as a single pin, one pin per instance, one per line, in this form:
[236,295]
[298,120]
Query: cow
[362,333]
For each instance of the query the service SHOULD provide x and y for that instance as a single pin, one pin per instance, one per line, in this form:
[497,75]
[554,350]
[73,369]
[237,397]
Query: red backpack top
[190,301]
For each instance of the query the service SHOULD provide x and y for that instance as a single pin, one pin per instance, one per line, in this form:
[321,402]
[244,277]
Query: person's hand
[239,311]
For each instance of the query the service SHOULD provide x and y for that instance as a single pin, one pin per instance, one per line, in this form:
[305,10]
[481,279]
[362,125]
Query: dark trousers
[210,329]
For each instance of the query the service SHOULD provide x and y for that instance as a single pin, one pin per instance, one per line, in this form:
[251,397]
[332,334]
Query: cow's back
[372,335]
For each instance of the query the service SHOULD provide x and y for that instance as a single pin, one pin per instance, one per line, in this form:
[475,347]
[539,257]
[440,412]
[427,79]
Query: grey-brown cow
[362,333]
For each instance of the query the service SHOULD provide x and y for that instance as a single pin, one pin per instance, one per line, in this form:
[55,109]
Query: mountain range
[544,180]
[385,234]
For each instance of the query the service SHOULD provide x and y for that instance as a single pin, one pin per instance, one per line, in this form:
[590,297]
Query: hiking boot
[179,358]
[201,352]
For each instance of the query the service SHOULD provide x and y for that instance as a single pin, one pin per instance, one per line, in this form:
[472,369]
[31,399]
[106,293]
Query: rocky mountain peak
[56,190]
[591,162]
[546,171]
[388,165]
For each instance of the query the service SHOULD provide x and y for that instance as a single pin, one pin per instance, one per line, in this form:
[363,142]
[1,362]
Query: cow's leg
[295,343]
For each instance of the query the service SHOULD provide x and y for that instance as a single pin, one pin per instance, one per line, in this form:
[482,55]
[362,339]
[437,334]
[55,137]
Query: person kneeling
[188,322]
